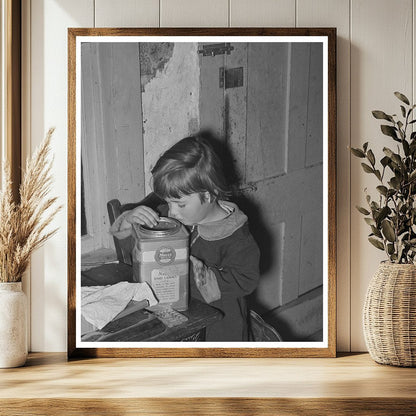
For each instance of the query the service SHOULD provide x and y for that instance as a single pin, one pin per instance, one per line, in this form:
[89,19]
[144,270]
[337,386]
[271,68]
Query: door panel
[314,122]
[235,101]
[211,103]
[266,110]
[273,127]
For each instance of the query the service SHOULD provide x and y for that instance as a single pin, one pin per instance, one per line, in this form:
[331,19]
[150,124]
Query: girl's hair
[190,166]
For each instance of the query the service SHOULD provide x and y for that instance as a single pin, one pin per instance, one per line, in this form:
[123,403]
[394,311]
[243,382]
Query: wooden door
[272,125]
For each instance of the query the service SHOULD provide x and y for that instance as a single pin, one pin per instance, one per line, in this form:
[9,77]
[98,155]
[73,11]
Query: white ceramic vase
[13,325]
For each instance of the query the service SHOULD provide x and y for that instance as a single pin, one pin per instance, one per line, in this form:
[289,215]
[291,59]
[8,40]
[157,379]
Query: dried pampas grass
[23,225]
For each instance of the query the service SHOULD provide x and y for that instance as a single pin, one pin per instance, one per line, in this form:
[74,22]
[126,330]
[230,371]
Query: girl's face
[189,209]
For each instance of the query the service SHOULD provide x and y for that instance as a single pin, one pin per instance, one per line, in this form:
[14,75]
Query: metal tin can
[161,258]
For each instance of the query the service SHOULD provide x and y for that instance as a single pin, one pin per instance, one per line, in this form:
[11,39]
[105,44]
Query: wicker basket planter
[390,315]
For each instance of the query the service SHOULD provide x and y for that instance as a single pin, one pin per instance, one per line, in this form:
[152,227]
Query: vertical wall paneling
[381,63]
[48,78]
[265,13]
[336,13]
[126,13]
[193,13]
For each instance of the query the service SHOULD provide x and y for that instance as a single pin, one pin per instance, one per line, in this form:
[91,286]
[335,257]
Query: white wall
[376,57]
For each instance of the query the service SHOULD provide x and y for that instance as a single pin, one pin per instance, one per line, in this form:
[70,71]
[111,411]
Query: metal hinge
[216,49]
[231,77]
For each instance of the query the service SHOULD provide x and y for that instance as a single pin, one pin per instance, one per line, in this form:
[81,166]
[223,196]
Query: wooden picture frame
[282,85]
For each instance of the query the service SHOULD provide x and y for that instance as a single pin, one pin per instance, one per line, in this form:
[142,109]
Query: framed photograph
[201,192]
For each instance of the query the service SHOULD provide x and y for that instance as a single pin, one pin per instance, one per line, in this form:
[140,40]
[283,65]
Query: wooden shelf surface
[348,383]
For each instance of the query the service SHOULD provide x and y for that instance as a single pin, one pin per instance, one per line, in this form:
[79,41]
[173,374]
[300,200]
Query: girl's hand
[143,215]
[205,280]
[199,271]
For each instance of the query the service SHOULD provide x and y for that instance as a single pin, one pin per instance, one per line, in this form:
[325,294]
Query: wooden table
[143,326]
[347,385]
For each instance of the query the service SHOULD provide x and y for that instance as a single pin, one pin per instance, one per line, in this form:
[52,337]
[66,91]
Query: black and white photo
[202,173]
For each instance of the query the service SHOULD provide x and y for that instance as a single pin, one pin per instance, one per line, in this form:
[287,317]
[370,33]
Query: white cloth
[100,304]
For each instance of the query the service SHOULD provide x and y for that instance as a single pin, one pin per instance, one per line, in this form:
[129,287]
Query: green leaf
[406,147]
[376,243]
[370,157]
[385,161]
[382,214]
[378,174]
[390,248]
[388,230]
[365,145]
[412,176]
[382,189]
[370,221]
[403,111]
[389,131]
[402,97]
[381,115]
[394,183]
[357,152]
[362,210]
[367,168]
[388,152]
[376,231]
[393,156]
[374,205]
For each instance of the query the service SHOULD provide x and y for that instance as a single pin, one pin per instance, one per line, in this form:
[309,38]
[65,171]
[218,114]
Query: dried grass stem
[23,226]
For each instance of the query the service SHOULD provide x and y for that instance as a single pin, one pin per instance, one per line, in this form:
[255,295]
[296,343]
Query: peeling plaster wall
[170,98]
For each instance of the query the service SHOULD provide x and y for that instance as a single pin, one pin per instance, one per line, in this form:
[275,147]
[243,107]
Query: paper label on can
[165,255]
[165,283]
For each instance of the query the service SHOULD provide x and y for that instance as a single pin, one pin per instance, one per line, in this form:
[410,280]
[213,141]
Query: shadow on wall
[258,227]
[301,319]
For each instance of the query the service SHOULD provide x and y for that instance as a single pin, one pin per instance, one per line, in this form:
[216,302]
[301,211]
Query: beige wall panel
[262,13]
[126,13]
[193,13]
[48,74]
[335,13]
[381,63]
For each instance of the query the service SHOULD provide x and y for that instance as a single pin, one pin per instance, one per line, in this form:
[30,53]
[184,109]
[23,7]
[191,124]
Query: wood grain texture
[352,384]
[330,351]
[209,406]
[71,300]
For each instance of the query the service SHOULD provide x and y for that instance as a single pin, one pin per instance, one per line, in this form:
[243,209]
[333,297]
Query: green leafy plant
[391,216]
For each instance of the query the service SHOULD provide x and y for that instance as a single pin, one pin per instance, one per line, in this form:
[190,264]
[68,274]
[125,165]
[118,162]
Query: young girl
[224,255]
